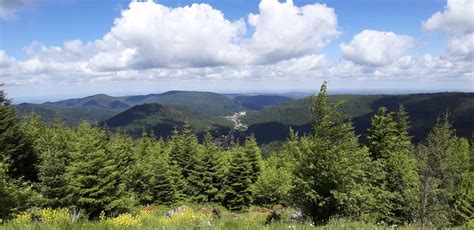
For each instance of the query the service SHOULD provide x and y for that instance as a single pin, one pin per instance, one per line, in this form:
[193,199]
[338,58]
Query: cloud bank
[150,41]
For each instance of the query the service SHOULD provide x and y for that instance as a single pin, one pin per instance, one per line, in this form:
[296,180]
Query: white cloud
[8,8]
[457,22]
[151,42]
[283,30]
[372,47]
[458,17]
[5,60]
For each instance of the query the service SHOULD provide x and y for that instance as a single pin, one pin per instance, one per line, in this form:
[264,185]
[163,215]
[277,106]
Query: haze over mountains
[268,117]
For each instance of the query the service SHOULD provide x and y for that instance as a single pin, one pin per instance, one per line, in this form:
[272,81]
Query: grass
[192,218]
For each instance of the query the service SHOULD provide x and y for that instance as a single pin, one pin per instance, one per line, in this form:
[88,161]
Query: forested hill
[423,109]
[162,120]
[101,107]
[269,117]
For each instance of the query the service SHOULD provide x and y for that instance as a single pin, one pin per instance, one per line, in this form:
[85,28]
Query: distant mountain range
[269,117]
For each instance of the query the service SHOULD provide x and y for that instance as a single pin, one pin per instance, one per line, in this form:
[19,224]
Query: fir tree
[254,157]
[15,147]
[444,165]
[53,144]
[164,183]
[390,147]
[184,153]
[93,176]
[237,191]
[207,177]
[333,174]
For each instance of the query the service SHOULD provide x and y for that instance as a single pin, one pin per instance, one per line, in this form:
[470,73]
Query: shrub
[274,216]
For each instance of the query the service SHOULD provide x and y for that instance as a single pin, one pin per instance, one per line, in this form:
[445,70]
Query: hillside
[259,102]
[273,123]
[162,120]
[269,117]
[101,107]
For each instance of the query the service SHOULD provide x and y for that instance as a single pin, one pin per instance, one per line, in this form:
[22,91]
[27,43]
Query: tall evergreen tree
[15,147]
[207,177]
[53,145]
[333,174]
[254,156]
[165,180]
[93,174]
[445,171]
[184,149]
[237,190]
[390,147]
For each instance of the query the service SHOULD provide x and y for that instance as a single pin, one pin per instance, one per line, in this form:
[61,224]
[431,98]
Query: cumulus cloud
[150,42]
[149,35]
[372,47]
[8,8]
[457,22]
[283,30]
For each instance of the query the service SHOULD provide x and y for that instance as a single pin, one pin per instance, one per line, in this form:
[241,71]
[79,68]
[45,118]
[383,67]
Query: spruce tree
[93,174]
[164,182]
[333,174]
[254,156]
[15,148]
[139,174]
[184,149]
[53,145]
[207,177]
[237,190]
[390,147]
[445,171]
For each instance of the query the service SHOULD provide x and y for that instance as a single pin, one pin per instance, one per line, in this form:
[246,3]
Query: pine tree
[184,148]
[165,183]
[333,174]
[93,175]
[390,147]
[15,147]
[53,144]
[139,174]
[444,166]
[207,177]
[254,156]
[237,190]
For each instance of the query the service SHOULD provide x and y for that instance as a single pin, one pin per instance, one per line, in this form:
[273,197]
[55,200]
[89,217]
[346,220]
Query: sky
[63,48]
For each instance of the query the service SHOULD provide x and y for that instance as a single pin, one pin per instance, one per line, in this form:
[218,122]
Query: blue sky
[410,25]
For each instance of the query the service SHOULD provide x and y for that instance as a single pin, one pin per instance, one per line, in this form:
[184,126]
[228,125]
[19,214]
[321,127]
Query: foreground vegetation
[52,175]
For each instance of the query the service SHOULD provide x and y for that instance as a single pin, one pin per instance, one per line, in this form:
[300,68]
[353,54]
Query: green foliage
[15,195]
[53,145]
[274,183]
[326,174]
[333,172]
[391,149]
[446,176]
[237,190]
[208,174]
[15,148]
[94,174]
[254,157]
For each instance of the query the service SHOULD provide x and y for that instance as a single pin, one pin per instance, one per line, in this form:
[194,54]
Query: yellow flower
[22,218]
[124,220]
[55,215]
